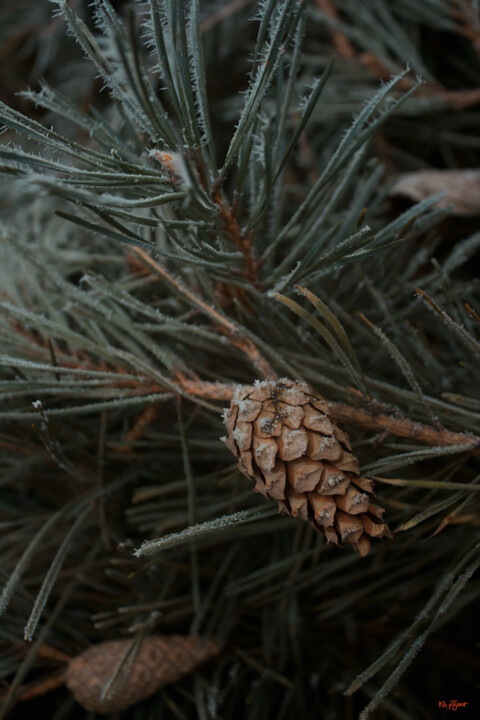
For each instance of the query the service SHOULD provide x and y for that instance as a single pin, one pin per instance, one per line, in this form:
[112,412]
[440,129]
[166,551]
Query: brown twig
[47,684]
[399,426]
[240,241]
[471,311]
[341,43]
[183,290]
[139,427]
[370,419]
[137,267]
[468,23]
[47,652]
[226,325]
[458,98]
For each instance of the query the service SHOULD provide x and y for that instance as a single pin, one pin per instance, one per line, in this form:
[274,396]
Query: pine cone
[286,442]
[160,661]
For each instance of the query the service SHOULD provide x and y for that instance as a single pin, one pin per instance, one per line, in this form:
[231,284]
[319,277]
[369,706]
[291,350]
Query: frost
[221,523]
[262,450]
[248,410]
[295,395]
[326,442]
[294,443]
[359,498]
[263,383]
[333,480]
[292,437]
[265,452]
[225,414]
[239,394]
[284,281]
[242,436]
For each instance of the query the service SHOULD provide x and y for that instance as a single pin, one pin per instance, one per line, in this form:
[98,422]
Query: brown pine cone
[160,661]
[286,442]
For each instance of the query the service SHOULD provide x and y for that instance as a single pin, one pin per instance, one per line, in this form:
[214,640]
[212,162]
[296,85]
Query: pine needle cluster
[221,213]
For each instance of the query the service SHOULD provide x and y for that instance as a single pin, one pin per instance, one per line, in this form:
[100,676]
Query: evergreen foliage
[221,213]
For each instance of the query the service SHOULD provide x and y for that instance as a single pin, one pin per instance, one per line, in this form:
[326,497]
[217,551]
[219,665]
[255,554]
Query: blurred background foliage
[102,449]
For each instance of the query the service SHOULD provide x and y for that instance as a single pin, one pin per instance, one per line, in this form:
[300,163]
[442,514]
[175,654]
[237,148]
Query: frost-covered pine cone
[285,441]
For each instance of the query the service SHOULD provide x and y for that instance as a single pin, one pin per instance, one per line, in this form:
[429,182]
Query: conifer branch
[237,338]
[47,684]
[370,419]
[402,427]
[244,244]
[117,364]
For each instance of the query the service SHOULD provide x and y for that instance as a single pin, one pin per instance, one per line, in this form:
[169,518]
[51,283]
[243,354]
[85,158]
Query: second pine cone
[285,440]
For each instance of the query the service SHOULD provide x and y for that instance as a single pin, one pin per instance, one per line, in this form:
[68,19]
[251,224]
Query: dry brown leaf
[462,188]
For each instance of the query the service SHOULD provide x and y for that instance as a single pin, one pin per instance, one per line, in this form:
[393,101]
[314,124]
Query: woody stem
[370,419]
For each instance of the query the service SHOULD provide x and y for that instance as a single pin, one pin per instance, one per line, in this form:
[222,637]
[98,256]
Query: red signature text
[451,704]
